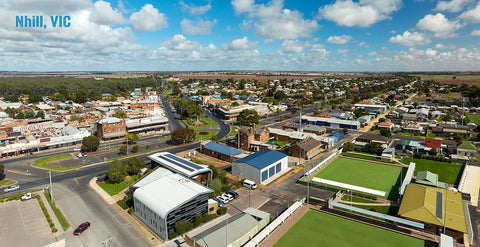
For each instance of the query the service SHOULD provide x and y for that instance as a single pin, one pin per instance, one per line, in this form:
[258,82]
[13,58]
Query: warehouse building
[197,172]
[262,167]
[166,199]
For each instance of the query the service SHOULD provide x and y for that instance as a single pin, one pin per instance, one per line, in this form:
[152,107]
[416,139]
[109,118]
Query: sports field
[365,174]
[320,229]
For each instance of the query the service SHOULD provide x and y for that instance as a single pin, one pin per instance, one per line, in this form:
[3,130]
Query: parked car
[27,196]
[77,149]
[81,228]
[220,203]
[233,193]
[12,188]
[228,196]
[222,199]
[84,154]
[79,155]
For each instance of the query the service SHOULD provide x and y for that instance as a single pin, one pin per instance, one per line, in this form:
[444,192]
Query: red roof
[386,123]
[433,143]
[325,115]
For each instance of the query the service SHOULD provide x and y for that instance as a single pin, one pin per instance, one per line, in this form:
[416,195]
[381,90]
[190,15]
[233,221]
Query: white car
[12,188]
[230,197]
[77,149]
[27,196]
[223,199]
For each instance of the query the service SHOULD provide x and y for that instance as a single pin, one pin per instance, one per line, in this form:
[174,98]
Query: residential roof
[222,149]
[385,123]
[429,178]
[238,226]
[169,192]
[433,143]
[177,164]
[427,204]
[314,128]
[262,159]
[308,144]
[373,137]
[466,145]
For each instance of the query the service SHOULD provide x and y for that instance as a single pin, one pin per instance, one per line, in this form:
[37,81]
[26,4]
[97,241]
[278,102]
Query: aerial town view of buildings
[239,123]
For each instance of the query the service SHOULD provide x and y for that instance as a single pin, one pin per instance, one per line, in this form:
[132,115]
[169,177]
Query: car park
[81,228]
[233,193]
[12,188]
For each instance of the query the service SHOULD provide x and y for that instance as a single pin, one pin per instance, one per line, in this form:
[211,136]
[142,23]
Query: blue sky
[339,35]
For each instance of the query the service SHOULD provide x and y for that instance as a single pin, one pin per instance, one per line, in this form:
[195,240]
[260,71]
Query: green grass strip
[16,197]
[113,189]
[6,182]
[43,162]
[347,198]
[47,216]
[57,212]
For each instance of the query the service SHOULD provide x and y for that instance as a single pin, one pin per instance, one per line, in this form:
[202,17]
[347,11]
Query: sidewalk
[52,215]
[139,226]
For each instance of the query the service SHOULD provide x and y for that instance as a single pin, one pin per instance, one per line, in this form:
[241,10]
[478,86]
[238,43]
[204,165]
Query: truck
[27,196]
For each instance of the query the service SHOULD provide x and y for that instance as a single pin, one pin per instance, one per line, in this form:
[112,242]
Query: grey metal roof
[262,159]
[178,164]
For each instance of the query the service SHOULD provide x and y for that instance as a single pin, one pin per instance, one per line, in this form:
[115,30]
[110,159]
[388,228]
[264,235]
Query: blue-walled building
[331,122]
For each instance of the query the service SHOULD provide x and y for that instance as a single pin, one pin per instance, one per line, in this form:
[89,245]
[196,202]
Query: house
[368,138]
[429,178]
[452,128]
[385,125]
[314,129]
[294,126]
[467,149]
[262,167]
[433,144]
[372,109]
[305,149]
[420,113]
[249,134]
[427,204]
[413,127]
[220,151]
[168,199]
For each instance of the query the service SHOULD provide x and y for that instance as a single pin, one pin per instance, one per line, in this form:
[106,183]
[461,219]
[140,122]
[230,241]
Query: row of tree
[118,171]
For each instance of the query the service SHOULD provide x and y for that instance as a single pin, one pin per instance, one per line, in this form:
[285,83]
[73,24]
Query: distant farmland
[459,79]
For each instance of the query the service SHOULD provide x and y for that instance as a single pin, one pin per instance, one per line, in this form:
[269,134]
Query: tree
[135,149]
[33,98]
[385,132]
[381,119]
[345,131]
[248,117]
[40,114]
[2,170]
[348,146]
[29,114]
[373,148]
[134,165]
[214,138]
[81,96]
[131,138]
[182,135]
[123,149]
[120,114]
[117,172]
[90,143]
[433,152]
[19,115]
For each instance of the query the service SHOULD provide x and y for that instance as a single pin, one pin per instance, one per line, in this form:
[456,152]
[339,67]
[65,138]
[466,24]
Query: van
[249,184]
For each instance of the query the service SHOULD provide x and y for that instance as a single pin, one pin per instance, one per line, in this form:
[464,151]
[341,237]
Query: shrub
[183,227]
[222,211]
[198,220]
[131,210]
[135,149]
[172,235]
[208,217]
[54,230]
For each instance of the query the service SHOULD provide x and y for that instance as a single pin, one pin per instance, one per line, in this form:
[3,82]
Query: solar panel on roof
[178,164]
[185,162]
[439,204]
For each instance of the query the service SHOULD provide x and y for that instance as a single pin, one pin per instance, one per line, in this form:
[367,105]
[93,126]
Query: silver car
[12,188]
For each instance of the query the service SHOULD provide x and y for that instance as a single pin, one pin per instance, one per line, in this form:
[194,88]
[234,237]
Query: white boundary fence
[273,225]
[349,186]
[321,164]
[408,177]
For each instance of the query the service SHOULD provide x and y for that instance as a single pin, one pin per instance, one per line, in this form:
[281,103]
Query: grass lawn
[320,229]
[431,135]
[447,172]
[57,212]
[6,182]
[205,137]
[43,162]
[474,119]
[233,131]
[165,138]
[368,157]
[365,174]
[113,189]
[208,123]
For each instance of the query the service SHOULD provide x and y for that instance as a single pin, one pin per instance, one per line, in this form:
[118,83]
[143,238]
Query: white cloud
[440,46]
[343,52]
[148,19]
[180,43]
[410,39]
[242,6]
[439,25]
[195,10]
[268,41]
[104,14]
[472,15]
[273,21]
[240,44]
[451,6]
[362,14]
[292,46]
[198,27]
[476,32]
[339,40]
